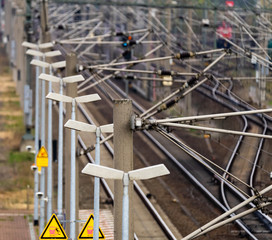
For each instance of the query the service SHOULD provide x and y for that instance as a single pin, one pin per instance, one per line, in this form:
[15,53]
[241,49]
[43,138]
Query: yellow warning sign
[87,230]
[53,230]
[42,158]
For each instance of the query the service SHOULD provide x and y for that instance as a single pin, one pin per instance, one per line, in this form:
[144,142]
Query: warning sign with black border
[87,230]
[53,229]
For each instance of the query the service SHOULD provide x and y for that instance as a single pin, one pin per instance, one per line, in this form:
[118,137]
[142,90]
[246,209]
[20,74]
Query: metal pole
[210,116]
[36,175]
[60,154]
[257,74]
[73,178]
[188,98]
[42,187]
[45,38]
[49,146]
[133,62]
[103,42]
[204,33]
[97,186]
[125,221]
[219,130]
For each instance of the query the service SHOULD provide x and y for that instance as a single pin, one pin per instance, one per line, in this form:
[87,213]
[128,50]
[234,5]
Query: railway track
[140,109]
[264,230]
[196,171]
[166,152]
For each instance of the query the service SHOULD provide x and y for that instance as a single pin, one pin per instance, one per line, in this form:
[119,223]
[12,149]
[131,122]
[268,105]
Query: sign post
[42,159]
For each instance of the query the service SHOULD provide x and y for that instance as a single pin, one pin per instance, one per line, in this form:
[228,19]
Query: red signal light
[230,3]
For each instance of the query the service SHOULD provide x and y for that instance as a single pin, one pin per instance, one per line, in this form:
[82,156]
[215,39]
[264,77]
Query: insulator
[192,81]
[132,42]
[165,72]
[185,55]
[117,77]
[171,103]
[130,77]
[119,34]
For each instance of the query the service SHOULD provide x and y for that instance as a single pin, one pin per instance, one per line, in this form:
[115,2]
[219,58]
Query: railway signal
[73,101]
[80,126]
[128,41]
[139,174]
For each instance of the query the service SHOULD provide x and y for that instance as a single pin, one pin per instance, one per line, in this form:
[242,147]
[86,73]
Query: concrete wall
[14,33]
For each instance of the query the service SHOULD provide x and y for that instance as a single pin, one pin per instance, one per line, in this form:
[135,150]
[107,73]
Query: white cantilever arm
[80,126]
[61,64]
[85,127]
[72,79]
[52,53]
[49,77]
[107,128]
[88,98]
[148,172]
[59,97]
[40,63]
[34,53]
[103,172]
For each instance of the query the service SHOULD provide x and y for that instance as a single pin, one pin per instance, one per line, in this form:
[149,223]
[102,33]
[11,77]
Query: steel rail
[227,168]
[108,192]
[264,217]
[120,91]
[199,183]
[178,164]
[140,193]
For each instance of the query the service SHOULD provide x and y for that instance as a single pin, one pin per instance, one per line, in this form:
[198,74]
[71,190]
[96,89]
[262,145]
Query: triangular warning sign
[42,158]
[42,153]
[53,230]
[87,230]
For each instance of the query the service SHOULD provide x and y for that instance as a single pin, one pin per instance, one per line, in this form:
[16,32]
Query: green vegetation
[12,104]
[18,174]
[19,178]
[30,218]
[17,157]
[9,93]
[14,123]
